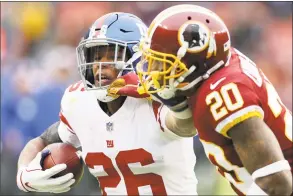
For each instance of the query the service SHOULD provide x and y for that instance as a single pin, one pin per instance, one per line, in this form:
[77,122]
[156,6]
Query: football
[64,153]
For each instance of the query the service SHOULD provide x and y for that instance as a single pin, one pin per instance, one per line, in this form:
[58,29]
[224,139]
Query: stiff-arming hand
[128,85]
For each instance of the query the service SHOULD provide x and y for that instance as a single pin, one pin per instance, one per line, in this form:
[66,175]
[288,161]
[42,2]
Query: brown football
[64,153]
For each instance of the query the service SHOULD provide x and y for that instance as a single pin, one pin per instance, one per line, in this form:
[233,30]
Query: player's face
[155,66]
[158,66]
[104,56]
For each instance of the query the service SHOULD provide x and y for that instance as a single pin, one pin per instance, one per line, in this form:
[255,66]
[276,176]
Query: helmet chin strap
[169,92]
[203,77]
[182,78]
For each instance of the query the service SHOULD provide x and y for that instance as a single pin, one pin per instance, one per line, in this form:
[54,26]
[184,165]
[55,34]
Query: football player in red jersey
[244,127]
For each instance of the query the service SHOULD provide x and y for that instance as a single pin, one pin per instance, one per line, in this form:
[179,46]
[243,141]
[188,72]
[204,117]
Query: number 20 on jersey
[217,108]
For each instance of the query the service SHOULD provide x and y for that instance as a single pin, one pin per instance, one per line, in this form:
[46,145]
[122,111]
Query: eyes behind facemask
[96,56]
[106,53]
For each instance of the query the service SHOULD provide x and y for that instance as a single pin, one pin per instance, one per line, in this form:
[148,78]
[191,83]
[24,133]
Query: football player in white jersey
[132,146]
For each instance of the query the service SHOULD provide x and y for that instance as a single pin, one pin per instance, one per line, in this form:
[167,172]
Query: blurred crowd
[38,41]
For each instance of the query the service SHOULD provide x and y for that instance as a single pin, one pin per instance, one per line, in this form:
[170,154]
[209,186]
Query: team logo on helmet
[98,33]
[196,34]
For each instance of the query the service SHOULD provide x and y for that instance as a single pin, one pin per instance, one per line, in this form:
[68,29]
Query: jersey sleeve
[66,134]
[65,130]
[230,103]
[160,112]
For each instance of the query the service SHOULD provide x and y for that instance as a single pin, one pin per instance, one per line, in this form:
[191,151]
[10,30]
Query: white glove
[33,178]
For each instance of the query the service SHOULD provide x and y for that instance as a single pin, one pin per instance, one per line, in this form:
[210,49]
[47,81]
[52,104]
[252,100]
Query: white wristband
[271,169]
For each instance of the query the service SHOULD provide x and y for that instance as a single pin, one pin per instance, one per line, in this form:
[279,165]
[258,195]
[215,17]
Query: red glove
[126,85]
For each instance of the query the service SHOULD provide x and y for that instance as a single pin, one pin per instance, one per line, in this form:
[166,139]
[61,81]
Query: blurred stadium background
[38,62]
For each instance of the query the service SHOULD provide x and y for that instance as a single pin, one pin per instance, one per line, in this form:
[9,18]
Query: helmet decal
[98,33]
[196,34]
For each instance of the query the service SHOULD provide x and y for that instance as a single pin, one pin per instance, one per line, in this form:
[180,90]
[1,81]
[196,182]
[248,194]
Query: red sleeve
[64,121]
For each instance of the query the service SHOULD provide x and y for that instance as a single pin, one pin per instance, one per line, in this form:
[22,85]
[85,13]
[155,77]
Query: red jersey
[231,95]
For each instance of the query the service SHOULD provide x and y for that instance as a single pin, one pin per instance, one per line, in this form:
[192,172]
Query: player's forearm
[182,126]
[49,136]
[30,151]
[258,148]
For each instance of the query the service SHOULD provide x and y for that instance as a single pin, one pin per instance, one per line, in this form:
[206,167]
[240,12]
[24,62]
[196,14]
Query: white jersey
[130,152]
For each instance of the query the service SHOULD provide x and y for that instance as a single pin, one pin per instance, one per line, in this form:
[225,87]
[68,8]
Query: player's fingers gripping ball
[61,153]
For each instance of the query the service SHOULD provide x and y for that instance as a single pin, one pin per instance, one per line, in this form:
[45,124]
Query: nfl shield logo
[109,126]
